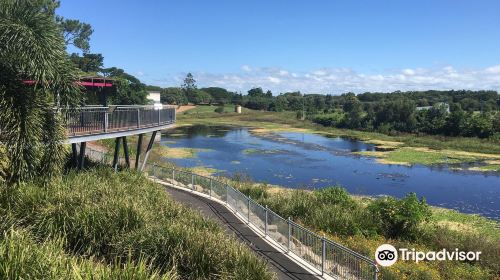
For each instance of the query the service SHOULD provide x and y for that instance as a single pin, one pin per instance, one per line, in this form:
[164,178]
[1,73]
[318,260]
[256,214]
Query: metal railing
[98,120]
[327,256]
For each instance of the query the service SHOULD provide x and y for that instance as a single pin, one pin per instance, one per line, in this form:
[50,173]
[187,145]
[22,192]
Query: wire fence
[327,256]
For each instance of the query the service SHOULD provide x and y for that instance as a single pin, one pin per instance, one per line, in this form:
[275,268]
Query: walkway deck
[93,123]
[278,262]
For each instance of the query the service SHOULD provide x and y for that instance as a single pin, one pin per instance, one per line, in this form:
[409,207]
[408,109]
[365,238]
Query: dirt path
[184,108]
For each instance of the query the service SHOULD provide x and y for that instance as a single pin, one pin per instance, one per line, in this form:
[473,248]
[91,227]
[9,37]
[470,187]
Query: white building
[154,97]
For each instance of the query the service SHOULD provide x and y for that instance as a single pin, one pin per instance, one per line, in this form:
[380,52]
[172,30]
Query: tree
[32,48]
[354,111]
[256,92]
[76,33]
[219,95]
[129,89]
[89,62]
[173,95]
[189,87]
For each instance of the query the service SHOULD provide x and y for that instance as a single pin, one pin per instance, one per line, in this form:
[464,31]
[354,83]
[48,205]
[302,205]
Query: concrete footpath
[277,261]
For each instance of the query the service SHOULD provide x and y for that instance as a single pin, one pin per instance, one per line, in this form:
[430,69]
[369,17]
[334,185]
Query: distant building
[446,105]
[154,97]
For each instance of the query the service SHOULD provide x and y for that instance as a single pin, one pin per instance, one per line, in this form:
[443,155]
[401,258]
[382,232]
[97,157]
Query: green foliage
[32,48]
[219,95]
[124,218]
[21,257]
[332,119]
[173,95]
[76,33]
[334,195]
[88,62]
[219,109]
[400,218]
[129,89]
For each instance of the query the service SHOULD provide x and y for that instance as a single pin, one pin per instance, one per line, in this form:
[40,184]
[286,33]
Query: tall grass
[363,224]
[125,219]
[23,258]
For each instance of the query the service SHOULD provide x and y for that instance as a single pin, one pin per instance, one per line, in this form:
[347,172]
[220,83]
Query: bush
[334,195]
[335,119]
[219,109]
[400,218]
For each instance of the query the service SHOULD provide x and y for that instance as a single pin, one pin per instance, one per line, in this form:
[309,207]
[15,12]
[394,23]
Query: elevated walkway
[93,123]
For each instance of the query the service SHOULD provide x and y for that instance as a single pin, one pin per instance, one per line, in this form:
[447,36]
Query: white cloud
[246,68]
[409,72]
[493,69]
[340,80]
[274,80]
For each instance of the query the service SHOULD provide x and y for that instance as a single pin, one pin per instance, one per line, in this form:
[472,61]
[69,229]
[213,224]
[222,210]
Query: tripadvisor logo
[387,255]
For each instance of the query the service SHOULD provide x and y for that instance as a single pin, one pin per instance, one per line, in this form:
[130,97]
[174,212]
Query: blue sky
[312,46]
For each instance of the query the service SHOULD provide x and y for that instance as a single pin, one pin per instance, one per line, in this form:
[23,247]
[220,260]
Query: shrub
[335,119]
[400,218]
[219,109]
[334,195]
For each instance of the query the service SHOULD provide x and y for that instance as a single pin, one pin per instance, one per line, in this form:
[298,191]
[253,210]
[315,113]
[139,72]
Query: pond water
[297,160]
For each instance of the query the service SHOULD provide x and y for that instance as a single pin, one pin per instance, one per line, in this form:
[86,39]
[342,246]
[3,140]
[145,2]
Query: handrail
[93,120]
[354,265]
[330,258]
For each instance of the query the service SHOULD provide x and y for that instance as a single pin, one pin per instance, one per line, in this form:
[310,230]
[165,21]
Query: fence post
[138,118]
[289,233]
[227,195]
[265,224]
[173,176]
[192,182]
[210,193]
[154,172]
[248,209]
[106,120]
[159,110]
[323,255]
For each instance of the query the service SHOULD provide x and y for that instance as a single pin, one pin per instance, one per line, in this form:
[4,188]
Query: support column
[139,148]
[117,152]
[83,146]
[74,155]
[125,150]
[148,150]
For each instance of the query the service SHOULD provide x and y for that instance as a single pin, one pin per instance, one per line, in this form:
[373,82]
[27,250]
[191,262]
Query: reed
[124,222]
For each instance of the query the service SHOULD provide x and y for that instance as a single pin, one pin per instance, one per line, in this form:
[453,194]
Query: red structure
[102,86]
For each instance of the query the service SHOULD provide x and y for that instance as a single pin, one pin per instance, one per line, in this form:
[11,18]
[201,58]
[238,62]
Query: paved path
[277,261]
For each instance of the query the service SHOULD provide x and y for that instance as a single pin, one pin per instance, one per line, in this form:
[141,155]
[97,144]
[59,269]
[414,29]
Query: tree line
[446,112]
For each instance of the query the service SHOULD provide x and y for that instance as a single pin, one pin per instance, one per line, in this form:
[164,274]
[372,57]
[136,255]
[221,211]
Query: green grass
[428,158]
[121,221]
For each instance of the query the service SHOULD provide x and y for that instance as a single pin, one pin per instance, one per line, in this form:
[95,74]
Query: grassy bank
[397,149]
[363,224]
[99,224]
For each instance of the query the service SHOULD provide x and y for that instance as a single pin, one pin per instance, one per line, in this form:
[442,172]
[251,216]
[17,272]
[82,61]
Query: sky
[314,46]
